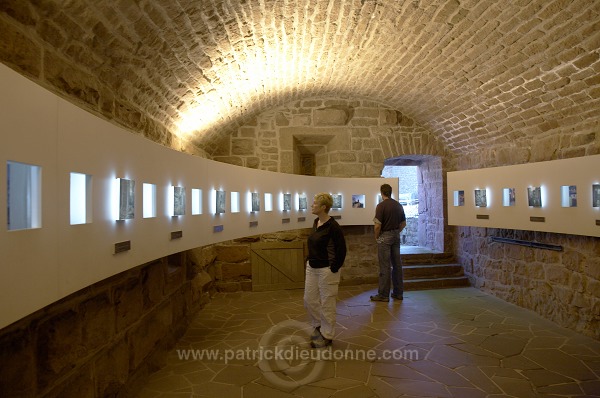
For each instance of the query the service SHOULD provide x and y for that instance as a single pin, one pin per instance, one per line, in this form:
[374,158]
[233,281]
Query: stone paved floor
[438,343]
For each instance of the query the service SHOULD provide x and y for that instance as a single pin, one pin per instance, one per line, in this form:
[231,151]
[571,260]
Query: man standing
[389,220]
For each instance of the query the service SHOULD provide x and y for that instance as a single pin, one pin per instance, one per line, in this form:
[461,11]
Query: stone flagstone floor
[437,343]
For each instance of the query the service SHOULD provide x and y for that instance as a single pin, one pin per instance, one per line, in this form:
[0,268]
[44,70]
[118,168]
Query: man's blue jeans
[390,264]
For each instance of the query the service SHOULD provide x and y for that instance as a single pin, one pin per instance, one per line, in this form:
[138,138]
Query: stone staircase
[432,271]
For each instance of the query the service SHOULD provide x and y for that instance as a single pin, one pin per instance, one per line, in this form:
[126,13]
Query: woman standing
[326,254]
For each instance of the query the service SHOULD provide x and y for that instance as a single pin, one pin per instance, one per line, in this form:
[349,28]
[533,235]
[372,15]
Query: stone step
[436,283]
[430,271]
[427,258]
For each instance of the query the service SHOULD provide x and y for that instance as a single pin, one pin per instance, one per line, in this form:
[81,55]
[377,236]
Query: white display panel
[554,196]
[61,258]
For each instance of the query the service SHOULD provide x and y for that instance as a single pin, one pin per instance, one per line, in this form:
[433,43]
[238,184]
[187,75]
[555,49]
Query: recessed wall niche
[302,202]
[148,200]
[459,198]
[534,196]
[196,201]
[568,195]
[254,202]
[178,197]
[337,201]
[508,197]
[596,195]
[235,202]
[480,198]
[80,198]
[23,189]
[125,199]
[287,201]
[220,202]
[268,202]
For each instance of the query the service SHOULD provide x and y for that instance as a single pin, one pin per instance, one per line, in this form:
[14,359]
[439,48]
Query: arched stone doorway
[422,190]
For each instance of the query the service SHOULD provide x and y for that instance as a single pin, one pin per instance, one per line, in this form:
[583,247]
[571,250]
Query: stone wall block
[81,384]
[175,277]
[18,359]
[22,52]
[247,132]
[153,280]
[59,346]
[112,370]
[98,321]
[243,146]
[363,122]
[347,170]
[238,161]
[389,117]
[330,117]
[301,120]
[573,261]
[148,333]
[232,253]
[372,113]
[236,271]
[281,119]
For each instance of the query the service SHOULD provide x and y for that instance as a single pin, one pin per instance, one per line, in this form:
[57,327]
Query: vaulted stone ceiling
[476,73]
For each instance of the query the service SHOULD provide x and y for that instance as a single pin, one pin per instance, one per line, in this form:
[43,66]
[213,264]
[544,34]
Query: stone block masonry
[100,341]
[348,138]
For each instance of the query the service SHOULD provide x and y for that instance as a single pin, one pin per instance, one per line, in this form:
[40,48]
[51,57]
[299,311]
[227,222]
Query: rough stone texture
[561,286]
[340,148]
[479,83]
[95,342]
[474,74]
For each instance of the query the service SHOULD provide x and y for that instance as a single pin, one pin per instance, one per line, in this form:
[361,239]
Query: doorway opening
[420,186]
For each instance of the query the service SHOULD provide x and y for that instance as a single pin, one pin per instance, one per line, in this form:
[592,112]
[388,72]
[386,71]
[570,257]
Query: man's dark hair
[386,190]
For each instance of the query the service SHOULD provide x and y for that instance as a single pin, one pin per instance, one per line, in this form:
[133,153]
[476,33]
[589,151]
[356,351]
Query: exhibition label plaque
[537,219]
[122,246]
[483,216]
[176,235]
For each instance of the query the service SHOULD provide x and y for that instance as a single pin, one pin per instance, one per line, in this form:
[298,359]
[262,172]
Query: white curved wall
[40,266]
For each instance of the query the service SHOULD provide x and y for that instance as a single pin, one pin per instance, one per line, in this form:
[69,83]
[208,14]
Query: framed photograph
[480,198]
[337,201]
[508,197]
[220,202]
[255,201]
[178,201]
[302,202]
[534,196]
[568,195]
[459,198]
[596,195]
[358,201]
[287,201]
[126,199]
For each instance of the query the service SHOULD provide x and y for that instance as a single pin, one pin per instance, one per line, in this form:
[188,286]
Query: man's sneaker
[320,342]
[397,297]
[379,298]
[316,333]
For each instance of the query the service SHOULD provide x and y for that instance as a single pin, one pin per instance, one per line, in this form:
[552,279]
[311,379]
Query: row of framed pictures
[534,196]
[254,203]
[24,199]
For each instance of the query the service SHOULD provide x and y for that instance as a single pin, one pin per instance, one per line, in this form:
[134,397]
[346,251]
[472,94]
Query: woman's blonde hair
[325,199]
